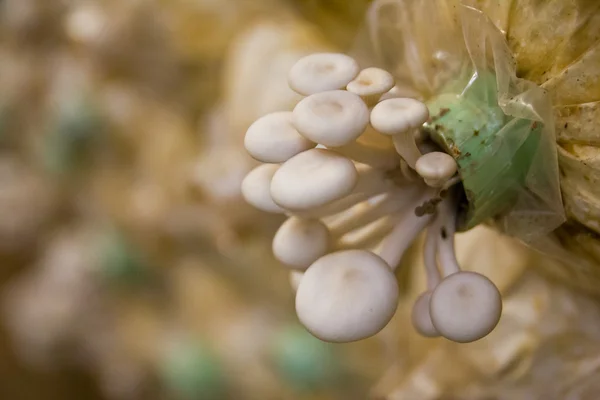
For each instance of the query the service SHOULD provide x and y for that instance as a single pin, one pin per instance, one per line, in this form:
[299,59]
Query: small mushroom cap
[465,307]
[421,318]
[333,118]
[299,242]
[320,72]
[395,116]
[371,82]
[347,296]
[312,179]
[273,138]
[436,167]
[256,188]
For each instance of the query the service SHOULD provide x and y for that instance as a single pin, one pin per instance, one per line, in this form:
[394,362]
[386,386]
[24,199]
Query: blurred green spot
[73,136]
[191,371]
[304,361]
[121,262]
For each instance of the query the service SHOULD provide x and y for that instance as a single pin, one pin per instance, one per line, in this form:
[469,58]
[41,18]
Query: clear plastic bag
[499,127]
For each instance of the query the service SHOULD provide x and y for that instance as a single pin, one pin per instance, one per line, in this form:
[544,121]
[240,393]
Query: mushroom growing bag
[497,126]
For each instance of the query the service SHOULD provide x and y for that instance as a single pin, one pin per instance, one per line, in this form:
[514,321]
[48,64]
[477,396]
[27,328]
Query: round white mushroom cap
[299,242]
[399,115]
[320,72]
[436,168]
[347,296]
[465,307]
[256,188]
[371,82]
[274,139]
[312,179]
[421,318]
[333,118]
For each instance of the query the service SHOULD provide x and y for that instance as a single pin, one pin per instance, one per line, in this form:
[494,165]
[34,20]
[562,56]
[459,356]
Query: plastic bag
[498,127]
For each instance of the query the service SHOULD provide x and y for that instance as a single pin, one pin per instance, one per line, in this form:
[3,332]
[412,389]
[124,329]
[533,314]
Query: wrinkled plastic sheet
[446,48]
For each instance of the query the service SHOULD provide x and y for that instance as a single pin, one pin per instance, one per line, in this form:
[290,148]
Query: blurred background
[130,266]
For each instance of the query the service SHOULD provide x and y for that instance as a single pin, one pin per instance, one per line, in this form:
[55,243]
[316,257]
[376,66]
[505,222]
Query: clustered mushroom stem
[430,255]
[446,230]
[406,146]
[369,235]
[390,204]
[392,248]
[379,158]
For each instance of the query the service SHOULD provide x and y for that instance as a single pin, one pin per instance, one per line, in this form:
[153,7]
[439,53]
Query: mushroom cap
[465,307]
[398,115]
[299,242]
[312,179]
[371,82]
[320,72]
[256,188]
[421,318]
[347,296]
[274,139]
[436,167]
[332,118]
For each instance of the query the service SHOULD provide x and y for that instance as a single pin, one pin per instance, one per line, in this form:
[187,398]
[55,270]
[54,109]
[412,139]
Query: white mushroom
[274,139]
[299,242]
[421,318]
[400,117]
[436,168]
[371,84]
[334,118]
[347,296]
[320,72]
[256,188]
[465,307]
[371,182]
[312,179]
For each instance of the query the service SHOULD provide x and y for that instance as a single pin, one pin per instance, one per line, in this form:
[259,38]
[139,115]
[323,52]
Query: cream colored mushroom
[400,117]
[347,296]
[465,307]
[256,188]
[421,317]
[334,118]
[274,139]
[312,179]
[371,84]
[320,72]
[436,168]
[299,242]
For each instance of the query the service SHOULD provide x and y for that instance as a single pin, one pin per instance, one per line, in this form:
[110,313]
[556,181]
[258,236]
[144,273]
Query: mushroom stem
[389,203]
[447,228]
[451,182]
[368,236]
[392,248]
[406,146]
[430,255]
[376,157]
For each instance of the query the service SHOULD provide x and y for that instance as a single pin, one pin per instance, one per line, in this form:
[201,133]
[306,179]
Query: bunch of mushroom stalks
[359,183]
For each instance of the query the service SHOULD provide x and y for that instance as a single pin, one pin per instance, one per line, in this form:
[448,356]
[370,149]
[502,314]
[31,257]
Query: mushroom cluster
[359,181]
